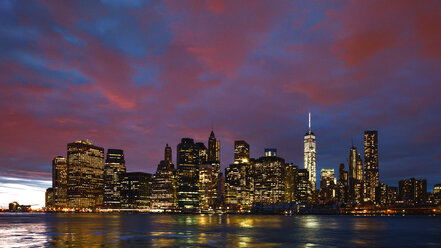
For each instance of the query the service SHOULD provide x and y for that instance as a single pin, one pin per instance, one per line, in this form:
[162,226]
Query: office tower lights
[309,156]
[84,181]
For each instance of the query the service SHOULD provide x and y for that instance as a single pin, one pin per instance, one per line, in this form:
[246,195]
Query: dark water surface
[150,230]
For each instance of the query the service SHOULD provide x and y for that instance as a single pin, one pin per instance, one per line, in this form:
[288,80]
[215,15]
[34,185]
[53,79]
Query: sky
[137,75]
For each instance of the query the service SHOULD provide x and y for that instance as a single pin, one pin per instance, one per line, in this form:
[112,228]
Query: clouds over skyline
[141,74]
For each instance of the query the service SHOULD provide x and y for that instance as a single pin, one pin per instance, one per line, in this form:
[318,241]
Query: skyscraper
[114,170]
[237,193]
[290,182]
[213,148]
[214,162]
[326,178]
[327,186]
[189,156]
[371,173]
[302,186]
[413,191]
[206,187]
[136,190]
[355,176]
[59,181]
[342,184]
[164,183]
[168,154]
[241,152]
[269,184]
[309,155]
[85,166]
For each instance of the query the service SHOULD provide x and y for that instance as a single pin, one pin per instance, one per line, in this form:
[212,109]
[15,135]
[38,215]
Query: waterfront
[163,230]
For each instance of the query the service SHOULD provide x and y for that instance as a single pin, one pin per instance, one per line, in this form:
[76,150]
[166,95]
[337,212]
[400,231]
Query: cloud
[138,77]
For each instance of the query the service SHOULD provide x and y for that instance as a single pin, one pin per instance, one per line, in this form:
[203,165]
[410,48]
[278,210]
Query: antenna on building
[309,125]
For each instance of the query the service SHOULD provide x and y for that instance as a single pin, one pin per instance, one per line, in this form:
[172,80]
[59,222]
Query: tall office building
[49,201]
[327,185]
[238,194]
[355,176]
[214,162]
[309,156]
[213,148]
[412,191]
[85,183]
[59,181]
[303,194]
[269,185]
[206,187]
[189,156]
[381,194]
[290,182]
[168,154]
[371,173]
[136,190]
[241,152]
[342,184]
[220,190]
[326,178]
[164,183]
[114,170]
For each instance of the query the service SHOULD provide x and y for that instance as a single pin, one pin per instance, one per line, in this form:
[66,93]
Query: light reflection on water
[122,230]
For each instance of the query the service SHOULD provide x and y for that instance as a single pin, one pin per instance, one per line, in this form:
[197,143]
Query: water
[149,230]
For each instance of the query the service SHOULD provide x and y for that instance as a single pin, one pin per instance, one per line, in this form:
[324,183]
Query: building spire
[309,129]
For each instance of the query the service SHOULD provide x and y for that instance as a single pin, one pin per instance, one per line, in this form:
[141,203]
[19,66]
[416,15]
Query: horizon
[137,75]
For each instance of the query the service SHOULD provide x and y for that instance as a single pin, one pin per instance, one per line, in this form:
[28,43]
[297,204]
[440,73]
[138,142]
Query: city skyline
[169,154]
[136,76]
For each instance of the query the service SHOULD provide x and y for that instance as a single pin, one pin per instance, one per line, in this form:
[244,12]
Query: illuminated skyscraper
[241,152]
[309,155]
[237,193]
[59,181]
[371,172]
[49,201]
[214,162]
[326,178]
[164,183]
[290,175]
[136,190]
[206,187]
[114,170]
[85,180]
[303,193]
[269,184]
[189,156]
[355,176]
[327,185]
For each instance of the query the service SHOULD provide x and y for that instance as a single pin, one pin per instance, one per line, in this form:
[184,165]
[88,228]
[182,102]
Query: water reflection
[147,230]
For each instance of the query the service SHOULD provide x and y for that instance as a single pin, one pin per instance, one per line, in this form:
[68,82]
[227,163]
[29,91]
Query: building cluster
[90,179]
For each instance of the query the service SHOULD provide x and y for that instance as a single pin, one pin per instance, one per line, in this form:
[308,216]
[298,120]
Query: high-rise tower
[241,152]
[355,175]
[309,155]
[371,173]
[114,170]
[59,181]
[168,154]
[85,179]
